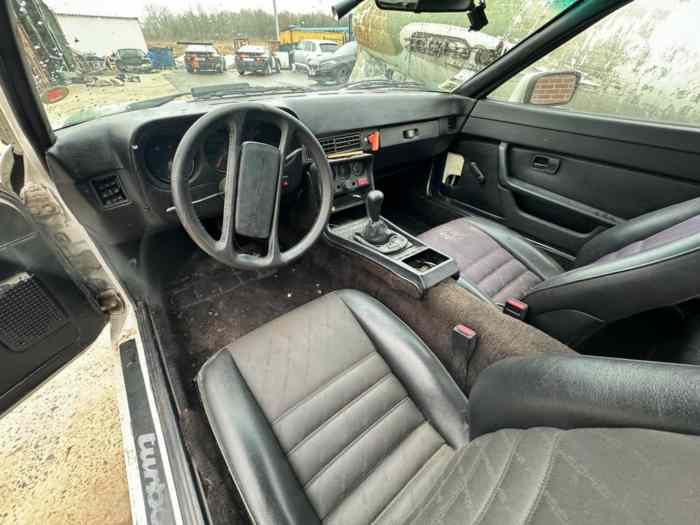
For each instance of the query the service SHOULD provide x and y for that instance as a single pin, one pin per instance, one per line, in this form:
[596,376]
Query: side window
[641,62]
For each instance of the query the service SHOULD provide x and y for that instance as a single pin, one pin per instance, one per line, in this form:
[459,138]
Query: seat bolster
[425,379]
[569,392]
[613,290]
[635,230]
[254,457]
[535,260]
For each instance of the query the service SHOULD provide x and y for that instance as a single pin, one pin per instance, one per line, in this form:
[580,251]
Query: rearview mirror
[426,6]
[548,89]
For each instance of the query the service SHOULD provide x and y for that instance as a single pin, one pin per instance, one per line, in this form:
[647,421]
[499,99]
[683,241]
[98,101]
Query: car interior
[398,306]
[401,235]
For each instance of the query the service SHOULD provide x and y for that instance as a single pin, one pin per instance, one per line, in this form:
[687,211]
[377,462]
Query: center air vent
[341,143]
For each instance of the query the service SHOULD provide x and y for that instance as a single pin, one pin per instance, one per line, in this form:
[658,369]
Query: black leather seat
[646,263]
[338,413]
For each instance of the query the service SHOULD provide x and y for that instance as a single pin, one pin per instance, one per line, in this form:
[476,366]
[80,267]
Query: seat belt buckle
[464,339]
[515,308]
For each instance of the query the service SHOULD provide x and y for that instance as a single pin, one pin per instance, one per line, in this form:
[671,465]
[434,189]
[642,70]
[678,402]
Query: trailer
[293,34]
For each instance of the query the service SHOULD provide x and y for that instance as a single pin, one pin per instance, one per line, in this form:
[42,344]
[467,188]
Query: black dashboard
[114,172]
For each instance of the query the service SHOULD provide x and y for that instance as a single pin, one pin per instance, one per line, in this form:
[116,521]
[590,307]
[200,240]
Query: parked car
[307,50]
[335,68]
[131,61]
[256,59]
[203,57]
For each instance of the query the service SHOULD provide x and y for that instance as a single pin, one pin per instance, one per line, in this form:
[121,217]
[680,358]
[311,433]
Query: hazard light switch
[373,140]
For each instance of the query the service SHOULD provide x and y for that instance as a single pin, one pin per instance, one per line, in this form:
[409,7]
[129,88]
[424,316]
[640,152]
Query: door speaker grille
[27,313]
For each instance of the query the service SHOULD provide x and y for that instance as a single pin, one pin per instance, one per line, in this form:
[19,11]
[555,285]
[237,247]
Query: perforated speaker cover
[27,313]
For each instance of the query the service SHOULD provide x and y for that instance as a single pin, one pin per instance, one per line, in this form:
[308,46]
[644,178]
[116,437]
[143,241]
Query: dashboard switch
[373,141]
[109,191]
[362,181]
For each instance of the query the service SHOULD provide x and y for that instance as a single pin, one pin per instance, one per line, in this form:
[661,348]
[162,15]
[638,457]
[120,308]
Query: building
[101,35]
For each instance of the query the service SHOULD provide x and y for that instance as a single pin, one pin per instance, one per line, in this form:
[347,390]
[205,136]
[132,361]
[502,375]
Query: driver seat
[338,413]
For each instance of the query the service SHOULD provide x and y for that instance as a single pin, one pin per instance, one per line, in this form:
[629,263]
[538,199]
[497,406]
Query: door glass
[641,62]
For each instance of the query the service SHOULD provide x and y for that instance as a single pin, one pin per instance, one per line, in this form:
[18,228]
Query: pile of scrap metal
[51,59]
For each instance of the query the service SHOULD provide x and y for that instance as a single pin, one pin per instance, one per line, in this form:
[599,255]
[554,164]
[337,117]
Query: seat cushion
[352,414]
[583,476]
[493,261]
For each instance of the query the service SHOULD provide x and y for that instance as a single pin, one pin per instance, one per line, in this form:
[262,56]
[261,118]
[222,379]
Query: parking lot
[183,81]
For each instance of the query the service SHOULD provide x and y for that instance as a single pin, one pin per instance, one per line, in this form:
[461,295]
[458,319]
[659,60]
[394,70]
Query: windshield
[91,59]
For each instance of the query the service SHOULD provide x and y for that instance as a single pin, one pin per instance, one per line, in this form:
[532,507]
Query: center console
[356,225]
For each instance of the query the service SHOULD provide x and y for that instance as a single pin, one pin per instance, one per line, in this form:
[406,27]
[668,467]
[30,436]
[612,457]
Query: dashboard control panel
[352,180]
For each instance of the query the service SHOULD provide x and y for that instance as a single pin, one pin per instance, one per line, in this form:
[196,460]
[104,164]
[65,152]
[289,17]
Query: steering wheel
[252,188]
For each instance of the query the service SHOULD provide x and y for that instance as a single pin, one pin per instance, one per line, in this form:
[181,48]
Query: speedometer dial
[159,155]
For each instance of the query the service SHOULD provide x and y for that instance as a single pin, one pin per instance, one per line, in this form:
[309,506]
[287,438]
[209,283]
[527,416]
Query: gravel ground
[61,449]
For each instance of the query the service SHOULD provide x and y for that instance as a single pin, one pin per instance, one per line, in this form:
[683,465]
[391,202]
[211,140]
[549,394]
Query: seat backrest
[647,263]
[642,233]
[326,413]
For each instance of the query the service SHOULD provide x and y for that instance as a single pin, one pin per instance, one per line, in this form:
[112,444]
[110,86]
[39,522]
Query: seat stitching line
[325,385]
[515,279]
[341,410]
[464,482]
[492,270]
[381,461]
[545,479]
[354,441]
[496,269]
[409,482]
[506,468]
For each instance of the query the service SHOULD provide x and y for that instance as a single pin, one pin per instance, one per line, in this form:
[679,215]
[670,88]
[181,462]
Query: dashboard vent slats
[340,143]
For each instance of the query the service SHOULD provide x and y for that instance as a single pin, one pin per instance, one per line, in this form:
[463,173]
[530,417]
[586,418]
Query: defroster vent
[341,143]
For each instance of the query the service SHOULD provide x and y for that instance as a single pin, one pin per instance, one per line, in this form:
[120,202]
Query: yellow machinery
[294,34]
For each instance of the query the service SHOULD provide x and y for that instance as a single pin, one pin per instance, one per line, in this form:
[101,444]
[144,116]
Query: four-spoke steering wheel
[252,188]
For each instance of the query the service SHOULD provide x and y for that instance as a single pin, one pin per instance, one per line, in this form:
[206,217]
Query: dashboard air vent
[341,143]
[452,123]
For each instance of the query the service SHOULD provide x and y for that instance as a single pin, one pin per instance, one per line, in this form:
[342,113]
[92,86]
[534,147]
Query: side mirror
[548,89]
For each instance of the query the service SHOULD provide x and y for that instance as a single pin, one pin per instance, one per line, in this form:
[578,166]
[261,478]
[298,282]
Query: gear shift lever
[374,201]
[376,231]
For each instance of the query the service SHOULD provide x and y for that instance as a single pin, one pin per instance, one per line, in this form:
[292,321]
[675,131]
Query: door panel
[561,178]
[45,318]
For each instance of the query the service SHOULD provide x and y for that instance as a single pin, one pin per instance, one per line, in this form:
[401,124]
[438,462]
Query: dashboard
[114,172]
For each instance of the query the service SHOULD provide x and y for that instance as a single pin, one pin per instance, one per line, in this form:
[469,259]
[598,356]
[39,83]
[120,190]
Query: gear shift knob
[374,201]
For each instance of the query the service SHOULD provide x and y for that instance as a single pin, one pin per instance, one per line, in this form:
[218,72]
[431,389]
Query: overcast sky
[136,7]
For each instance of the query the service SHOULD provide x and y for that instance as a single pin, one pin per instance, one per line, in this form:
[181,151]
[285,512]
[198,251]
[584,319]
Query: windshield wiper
[242,89]
[379,83]
[155,102]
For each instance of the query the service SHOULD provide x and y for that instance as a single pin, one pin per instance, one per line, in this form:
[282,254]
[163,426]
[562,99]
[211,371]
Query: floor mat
[213,305]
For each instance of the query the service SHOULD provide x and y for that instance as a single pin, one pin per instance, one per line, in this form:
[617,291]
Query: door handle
[546,164]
